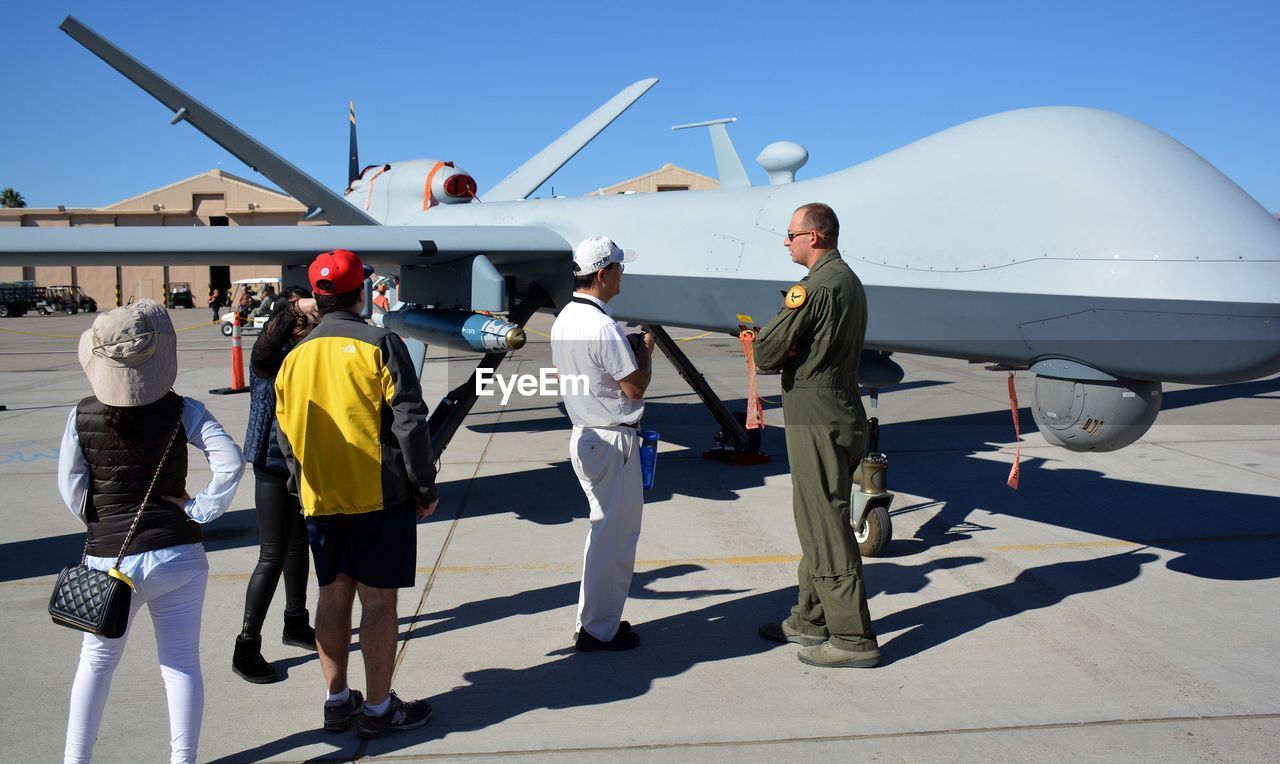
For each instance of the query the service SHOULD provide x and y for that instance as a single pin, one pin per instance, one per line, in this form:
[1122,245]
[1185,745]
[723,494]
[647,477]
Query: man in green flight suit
[816,341]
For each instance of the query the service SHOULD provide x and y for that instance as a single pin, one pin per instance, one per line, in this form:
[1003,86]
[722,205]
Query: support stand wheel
[873,537]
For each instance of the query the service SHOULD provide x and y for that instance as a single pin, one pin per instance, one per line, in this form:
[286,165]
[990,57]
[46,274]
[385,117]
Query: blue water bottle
[648,456]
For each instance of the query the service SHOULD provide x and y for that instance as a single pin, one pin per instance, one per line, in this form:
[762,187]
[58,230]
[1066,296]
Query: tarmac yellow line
[205,325]
[771,559]
[574,566]
[38,334]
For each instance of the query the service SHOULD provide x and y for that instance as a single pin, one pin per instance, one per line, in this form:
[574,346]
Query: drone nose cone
[516,338]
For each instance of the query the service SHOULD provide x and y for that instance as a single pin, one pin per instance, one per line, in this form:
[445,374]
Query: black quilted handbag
[87,599]
[91,600]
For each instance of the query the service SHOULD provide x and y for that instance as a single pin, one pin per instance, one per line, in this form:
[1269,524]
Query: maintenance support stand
[738,445]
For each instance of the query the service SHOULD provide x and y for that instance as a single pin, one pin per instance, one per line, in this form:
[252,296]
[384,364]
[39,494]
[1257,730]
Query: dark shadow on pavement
[1218,534]
[727,630]
[670,646]
[1196,396]
[493,609]
[933,623]
[49,555]
[686,473]
[347,744]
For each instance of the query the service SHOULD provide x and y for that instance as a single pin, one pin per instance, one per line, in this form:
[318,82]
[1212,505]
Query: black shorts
[378,549]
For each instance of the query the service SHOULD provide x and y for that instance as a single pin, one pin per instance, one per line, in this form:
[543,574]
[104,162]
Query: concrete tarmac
[1117,607]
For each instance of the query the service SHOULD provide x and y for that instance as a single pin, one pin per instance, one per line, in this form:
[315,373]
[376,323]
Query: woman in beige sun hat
[113,447]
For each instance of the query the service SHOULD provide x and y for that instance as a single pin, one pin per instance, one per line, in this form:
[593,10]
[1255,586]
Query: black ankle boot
[297,632]
[249,663]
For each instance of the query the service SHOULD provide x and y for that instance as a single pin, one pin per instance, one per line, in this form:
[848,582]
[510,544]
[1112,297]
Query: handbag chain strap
[138,515]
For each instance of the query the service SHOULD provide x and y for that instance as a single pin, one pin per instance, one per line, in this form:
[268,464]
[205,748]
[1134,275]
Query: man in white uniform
[605,445]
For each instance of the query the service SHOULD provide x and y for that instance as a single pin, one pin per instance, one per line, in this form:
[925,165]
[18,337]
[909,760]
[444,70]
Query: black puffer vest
[122,460]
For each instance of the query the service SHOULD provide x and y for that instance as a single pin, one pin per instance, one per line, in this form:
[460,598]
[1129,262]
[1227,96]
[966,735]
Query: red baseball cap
[337,272]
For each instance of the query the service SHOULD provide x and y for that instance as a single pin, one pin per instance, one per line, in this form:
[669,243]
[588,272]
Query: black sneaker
[399,716]
[339,716]
[625,639]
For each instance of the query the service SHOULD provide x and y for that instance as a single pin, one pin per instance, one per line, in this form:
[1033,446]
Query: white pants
[607,462]
[174,593]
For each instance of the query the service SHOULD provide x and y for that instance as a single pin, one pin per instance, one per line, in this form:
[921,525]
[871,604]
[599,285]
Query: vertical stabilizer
[728,163]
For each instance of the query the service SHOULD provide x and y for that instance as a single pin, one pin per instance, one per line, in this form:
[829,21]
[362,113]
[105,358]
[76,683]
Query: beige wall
[99,282]
[190,202]
[667,178]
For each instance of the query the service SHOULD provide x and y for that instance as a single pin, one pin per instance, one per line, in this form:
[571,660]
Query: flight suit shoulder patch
[796,296]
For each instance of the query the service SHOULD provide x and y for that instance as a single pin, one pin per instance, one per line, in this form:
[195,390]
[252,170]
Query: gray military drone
[1089,248]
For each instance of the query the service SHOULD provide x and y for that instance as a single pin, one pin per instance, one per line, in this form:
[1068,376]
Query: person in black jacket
[283,534]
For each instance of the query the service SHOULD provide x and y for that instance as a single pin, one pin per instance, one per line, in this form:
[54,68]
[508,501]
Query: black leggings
[283,535]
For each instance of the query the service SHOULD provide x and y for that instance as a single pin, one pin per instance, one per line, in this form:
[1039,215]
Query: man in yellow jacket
[353,429]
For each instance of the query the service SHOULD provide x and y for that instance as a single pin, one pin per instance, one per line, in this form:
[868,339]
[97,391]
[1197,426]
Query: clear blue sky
[488,84]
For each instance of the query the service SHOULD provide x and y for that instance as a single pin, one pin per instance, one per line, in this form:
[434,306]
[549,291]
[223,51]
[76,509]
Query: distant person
[353,430]
[215,303]
[117,442]
[282,532]
[380,299]
[267,302]
[605,445]
[244,305]
[816,341]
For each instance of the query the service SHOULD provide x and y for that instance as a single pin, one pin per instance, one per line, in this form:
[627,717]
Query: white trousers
[607,462]
[174,593]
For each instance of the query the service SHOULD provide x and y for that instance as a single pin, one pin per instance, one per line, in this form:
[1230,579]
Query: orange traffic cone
[237,362]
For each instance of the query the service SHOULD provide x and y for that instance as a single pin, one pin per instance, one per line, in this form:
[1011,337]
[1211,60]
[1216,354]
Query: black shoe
[248,663]
[399,716]
[298,632]
[625,639]
[339,716]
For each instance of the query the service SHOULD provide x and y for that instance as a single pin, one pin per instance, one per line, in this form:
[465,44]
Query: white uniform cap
[598,252]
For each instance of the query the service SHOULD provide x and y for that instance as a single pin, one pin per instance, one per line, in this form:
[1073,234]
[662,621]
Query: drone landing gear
[738,445]
[870,499]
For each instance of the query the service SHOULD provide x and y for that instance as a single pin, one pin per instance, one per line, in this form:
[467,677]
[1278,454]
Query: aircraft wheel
[875,532]
[226,329]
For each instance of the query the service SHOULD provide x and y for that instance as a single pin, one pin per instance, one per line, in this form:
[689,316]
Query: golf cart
[180,295]
[252,319]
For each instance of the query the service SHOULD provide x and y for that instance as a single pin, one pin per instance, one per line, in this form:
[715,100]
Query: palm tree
[10,198]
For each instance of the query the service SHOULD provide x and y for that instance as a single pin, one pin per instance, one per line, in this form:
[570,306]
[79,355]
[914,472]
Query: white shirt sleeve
[225,461]
[615,354]
[73,469]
